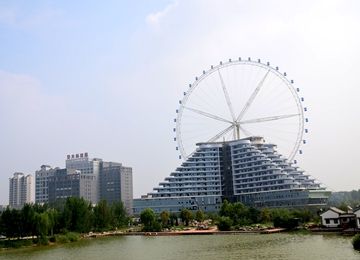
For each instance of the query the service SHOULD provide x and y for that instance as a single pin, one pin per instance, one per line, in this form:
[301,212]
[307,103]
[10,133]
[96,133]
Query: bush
[286,222]
[62,239]
[225,224]
[42,240]
[72,236]
[356,242]
[65,238]
[15,243]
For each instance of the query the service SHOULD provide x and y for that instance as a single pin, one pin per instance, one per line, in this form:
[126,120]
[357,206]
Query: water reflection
[244,246]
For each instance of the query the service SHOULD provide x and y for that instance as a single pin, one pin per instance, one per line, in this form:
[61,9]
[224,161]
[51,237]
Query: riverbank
[193,231]
[59,239]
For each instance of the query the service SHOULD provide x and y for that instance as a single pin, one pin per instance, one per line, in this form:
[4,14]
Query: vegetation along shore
[74,219]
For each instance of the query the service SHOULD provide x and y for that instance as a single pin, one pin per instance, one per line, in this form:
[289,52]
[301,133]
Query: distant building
[41,183]
[88,167]
[71,183]
[20,190]
[91,179]
[246,170]
[116,184]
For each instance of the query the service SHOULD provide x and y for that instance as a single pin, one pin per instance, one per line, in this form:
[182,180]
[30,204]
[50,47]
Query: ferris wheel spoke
[270,118]
[223,132]
[227,97]
[252,97]
[248,133]
[207,114]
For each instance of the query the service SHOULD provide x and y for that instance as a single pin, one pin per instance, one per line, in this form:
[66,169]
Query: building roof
[336,210]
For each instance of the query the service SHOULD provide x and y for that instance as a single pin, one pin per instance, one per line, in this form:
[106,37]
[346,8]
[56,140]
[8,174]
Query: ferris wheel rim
[222,65]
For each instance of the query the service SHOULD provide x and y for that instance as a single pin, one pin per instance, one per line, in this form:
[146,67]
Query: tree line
[236,215]
[70,215]
[342,199]
[154,223]
[232,216]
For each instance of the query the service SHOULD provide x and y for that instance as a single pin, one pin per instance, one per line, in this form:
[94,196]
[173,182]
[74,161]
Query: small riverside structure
[336,218]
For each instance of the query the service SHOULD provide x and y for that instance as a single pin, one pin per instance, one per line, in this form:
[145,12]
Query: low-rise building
[337,218]
[357,217]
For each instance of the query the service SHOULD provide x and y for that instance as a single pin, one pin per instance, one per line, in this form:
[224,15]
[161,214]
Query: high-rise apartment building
[246,170]
[20,190]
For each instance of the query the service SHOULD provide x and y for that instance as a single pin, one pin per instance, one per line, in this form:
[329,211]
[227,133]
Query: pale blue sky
[105,77]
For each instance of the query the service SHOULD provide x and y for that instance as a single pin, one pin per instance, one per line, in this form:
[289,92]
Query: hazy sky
[105,77]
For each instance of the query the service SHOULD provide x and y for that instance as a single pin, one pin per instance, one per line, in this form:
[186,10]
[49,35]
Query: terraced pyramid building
[246,170]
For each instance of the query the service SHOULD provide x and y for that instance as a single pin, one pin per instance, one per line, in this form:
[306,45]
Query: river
[238,246]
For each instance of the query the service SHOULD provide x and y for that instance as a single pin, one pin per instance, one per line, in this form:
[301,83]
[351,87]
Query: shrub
[42,240]
[72,236]
[15,243]
[61,239]
[356,242]
[224,224]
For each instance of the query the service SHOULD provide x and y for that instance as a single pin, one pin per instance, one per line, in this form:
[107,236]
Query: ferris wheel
[238,99]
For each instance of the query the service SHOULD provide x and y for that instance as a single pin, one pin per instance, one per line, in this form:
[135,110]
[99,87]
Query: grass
[15,243]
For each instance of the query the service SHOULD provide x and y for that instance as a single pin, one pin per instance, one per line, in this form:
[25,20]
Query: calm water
[244,246]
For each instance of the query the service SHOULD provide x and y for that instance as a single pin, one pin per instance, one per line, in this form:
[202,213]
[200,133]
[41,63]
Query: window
[327,221]
[336,221]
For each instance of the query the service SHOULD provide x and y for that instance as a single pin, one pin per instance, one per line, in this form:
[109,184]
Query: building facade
[91,179]
[116,184]
[246,170]
[72,183]
[41,183]
[20,190]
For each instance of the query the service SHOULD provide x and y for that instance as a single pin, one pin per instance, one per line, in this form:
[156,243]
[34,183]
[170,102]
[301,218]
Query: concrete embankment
[183,233]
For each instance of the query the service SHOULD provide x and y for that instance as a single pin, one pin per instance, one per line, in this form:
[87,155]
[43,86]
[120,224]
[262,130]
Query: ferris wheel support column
[237,127]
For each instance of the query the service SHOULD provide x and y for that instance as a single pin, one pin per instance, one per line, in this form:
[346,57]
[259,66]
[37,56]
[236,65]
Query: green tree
[42,224]
[225,223]
[102,216]
[174,219]
[265,215]
[165,216]
[148,219]
[27,219]
[119,215]
[225,209]
[53,216]
[11,222]
[186,216]
[77,215]
[199,215]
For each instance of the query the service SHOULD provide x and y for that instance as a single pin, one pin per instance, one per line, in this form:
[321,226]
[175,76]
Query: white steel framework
[254,96]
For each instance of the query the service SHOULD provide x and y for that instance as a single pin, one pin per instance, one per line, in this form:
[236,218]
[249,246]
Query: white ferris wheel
[238,99]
